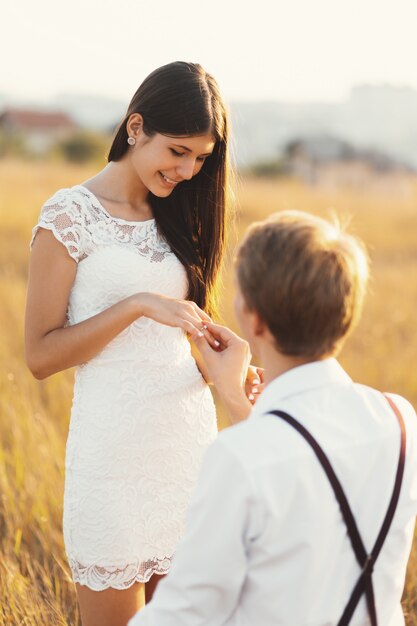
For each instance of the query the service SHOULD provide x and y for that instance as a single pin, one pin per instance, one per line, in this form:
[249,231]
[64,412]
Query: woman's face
[163,162]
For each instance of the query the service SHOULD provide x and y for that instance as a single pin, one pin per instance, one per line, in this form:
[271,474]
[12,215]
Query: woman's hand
[254,383]
[183,314]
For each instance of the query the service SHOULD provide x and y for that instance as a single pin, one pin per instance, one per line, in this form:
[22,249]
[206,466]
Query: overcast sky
[259,50]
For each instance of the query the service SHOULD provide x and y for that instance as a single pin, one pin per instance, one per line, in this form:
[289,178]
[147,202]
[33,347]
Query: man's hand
[228,364]
[227,367]
[254,384]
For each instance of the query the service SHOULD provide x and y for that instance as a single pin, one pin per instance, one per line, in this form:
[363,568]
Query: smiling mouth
[170,181]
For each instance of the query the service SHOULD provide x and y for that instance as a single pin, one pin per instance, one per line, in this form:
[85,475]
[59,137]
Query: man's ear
[257,324]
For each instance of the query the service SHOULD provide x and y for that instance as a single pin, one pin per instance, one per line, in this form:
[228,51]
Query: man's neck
[276,364]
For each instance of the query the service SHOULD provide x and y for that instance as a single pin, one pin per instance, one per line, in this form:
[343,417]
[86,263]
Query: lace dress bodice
[142,414]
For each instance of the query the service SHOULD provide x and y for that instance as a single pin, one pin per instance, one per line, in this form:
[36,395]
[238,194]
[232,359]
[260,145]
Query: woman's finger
[211,340]
[222,334]
[191,316]
[200,328]
[202,314]
[190,327]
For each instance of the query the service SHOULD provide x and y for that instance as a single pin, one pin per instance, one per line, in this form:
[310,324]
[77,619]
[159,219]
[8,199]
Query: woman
[123,267]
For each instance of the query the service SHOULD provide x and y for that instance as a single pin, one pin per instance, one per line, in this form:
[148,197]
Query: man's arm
[235,401]
[210,564]
[227,368]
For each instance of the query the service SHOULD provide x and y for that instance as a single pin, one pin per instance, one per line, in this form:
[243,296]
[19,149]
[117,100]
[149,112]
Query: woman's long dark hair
[182,99]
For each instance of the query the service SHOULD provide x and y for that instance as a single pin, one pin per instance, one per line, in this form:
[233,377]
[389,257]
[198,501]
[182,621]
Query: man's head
[300,284]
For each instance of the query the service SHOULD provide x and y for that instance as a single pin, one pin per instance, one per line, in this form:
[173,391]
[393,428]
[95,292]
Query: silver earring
[131,141]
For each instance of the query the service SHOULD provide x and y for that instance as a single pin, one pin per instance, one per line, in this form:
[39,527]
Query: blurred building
[38,130]
[324,159]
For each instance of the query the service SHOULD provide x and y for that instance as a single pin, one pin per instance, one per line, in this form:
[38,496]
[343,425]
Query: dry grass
[35,587]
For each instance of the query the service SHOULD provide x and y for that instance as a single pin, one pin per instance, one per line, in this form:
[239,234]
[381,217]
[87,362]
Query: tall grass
[35,585]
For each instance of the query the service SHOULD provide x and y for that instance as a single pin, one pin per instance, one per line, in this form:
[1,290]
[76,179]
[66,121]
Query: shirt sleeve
[210,565]
[62,215]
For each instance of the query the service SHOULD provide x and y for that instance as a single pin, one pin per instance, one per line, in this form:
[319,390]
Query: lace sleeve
[62,215]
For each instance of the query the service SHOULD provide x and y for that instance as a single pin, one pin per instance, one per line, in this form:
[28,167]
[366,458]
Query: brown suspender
[366,561]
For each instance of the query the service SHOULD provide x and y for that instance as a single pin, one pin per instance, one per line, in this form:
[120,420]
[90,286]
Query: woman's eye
[180,154]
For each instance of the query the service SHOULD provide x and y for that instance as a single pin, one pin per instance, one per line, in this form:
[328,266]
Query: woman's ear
[134,125]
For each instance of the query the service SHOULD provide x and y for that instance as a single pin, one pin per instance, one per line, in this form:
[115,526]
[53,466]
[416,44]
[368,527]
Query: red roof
[42,120]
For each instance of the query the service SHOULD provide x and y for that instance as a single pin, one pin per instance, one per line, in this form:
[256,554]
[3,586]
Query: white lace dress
[142,415]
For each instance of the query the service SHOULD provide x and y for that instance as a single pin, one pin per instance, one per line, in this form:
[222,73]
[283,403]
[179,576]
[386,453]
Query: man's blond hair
[306,278]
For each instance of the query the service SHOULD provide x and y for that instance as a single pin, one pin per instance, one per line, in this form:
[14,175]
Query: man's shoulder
[406,409]
[404,406]
[262,437]
[246,440]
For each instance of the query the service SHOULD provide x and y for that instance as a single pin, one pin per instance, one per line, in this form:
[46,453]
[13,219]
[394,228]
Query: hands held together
[226,355]
[228,366]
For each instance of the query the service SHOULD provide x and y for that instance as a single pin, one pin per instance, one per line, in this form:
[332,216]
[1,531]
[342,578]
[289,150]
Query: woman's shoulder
[71,204]
[63,214]
[67,197]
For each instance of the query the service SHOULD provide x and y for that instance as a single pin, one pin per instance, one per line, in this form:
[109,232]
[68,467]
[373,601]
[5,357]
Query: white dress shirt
[265,543]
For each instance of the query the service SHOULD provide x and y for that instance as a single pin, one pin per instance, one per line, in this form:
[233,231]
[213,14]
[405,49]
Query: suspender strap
[397,486]
[361,583]
[366,562]
[354,535]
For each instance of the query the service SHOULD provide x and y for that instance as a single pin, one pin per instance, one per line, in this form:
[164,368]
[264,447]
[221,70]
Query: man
[273,537]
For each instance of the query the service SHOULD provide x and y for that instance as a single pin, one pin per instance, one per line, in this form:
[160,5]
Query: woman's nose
[186,169]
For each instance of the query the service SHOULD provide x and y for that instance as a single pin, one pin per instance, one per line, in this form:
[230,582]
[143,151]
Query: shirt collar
[300,379]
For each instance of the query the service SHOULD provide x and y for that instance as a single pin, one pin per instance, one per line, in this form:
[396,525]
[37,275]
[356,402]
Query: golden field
[35,586]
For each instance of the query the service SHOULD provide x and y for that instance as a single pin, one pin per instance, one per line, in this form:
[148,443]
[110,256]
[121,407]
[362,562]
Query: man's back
[301,563]
[266,543]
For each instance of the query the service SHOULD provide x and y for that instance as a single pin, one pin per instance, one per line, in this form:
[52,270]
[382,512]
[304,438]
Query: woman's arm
[52,347]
